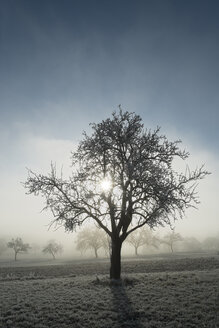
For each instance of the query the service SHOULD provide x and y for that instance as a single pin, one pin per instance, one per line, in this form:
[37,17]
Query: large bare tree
[123,179]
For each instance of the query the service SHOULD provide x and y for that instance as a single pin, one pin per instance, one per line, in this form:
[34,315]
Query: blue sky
[64,64]
[83,58]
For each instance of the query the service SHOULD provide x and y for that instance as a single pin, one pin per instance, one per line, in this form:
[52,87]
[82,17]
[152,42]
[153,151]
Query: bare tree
[191,244]
[90,238]
[142,237]
[171,238]
[106,242]
[18,246]
[35,248]
[52,248]
[3,246]
[211,243]
[122,179]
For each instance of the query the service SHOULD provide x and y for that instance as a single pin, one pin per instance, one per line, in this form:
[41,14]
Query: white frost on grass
[160,299]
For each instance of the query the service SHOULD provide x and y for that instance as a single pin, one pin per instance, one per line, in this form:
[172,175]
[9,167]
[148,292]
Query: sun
[106,184]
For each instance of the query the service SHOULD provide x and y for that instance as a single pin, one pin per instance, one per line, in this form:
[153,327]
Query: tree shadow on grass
[127,316]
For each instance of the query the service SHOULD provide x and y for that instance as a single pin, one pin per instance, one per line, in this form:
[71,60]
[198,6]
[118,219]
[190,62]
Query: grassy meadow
[154,292]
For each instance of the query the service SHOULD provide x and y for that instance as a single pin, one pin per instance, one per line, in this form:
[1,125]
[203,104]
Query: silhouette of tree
[122,179]
[18,246]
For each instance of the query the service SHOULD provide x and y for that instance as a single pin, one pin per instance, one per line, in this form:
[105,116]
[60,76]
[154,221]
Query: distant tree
[52,248]
[191,244]
[36,248]
[142,237]
[3,246]
[91,238]
[122,179]
[170,239]
[211,243]
[18,246]
[106,241]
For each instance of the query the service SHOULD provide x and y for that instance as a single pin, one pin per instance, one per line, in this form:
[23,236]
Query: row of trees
[95,239]
[18,246]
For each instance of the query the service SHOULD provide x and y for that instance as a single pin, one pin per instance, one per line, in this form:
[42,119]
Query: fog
[22,215]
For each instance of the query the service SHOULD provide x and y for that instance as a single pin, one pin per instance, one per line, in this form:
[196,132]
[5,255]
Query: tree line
[94,239]
[20,247]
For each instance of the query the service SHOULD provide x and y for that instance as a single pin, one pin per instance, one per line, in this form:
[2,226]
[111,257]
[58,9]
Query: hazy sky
[64,64]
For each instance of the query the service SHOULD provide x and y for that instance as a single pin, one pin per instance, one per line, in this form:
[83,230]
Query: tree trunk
[171,246]
[136,250]
[95,250]
[15,256]
[115,259]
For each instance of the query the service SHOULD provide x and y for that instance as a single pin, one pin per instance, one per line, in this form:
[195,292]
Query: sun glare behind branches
[106,184]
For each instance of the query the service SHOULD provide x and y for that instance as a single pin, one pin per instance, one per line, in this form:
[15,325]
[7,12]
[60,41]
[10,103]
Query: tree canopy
[123,179]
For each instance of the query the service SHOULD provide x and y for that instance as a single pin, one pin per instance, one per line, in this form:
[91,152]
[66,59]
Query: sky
[64,64]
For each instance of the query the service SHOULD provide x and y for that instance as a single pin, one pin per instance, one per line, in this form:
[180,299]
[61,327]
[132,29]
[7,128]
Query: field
[166,292]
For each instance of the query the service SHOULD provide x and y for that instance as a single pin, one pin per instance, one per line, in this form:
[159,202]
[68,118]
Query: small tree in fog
[36,248]
[90,238]
[170,239]
[106,241]
[18,246]
[142,237]
[211,244]
[191,244]
[122,179]
[52,248]
[3,246]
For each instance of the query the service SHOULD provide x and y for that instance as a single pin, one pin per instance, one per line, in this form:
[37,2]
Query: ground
[169,292]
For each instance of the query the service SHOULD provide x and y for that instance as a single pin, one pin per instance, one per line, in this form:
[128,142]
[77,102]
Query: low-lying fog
[209,244]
